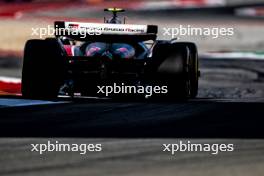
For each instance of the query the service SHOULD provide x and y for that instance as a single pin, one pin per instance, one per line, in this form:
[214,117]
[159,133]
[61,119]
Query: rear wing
[105,32]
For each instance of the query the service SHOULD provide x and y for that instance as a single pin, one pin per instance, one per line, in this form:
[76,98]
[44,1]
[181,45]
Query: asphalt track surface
[229,105]
[141,157]
[132,133]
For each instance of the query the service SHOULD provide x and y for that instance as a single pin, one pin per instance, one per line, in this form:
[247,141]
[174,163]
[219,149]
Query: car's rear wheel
[193,68]
[173,68]
[43,69]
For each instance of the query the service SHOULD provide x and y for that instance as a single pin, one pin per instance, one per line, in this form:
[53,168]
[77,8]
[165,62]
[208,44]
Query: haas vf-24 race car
[78,62]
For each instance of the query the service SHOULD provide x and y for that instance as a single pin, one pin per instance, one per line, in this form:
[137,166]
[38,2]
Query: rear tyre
[193,69]
[43,69]
[172,60]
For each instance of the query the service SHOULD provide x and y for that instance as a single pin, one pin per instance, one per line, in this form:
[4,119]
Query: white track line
[10,79]
[11,102]
[17,102]
[233,56]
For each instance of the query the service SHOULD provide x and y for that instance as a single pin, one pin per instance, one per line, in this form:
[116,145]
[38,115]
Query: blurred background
[18,17]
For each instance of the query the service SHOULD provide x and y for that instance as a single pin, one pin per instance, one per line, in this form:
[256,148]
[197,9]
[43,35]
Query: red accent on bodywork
[68,49]
[73,25]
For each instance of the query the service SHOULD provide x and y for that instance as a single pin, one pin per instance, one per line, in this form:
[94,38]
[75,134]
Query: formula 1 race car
[84,58]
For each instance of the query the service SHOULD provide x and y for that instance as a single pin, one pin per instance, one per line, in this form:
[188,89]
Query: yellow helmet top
[114,9]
